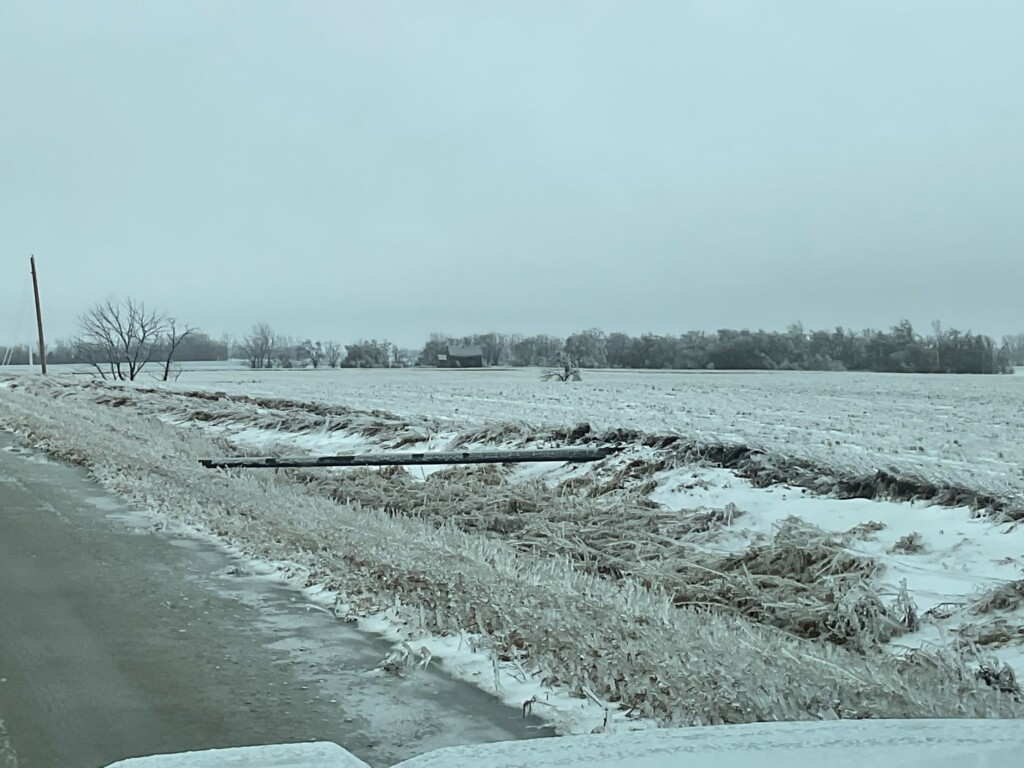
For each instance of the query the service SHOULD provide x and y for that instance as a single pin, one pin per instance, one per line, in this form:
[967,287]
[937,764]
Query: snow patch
[321,754]
[883,744]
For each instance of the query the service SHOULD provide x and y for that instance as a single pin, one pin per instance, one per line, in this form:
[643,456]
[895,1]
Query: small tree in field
[258,347]
[285,352]
[174,336]
[312,351]
[119,338]
[333,353]
[570,371]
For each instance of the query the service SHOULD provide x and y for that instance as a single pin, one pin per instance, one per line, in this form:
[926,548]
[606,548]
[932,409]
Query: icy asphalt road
[117,641]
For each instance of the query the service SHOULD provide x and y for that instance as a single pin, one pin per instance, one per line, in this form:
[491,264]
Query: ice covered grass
[853,572]
[643,512]
[654,510]
[802,580]
[616,638]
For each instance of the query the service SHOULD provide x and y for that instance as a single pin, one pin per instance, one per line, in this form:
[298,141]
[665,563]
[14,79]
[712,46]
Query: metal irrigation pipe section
[574,455]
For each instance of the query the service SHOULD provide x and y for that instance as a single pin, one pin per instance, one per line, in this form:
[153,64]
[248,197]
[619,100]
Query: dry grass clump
[615,638]
[494,434]
[864,531]
[911,544]
[802,581]
[994,632]
[993,619]
[1005,597]
[637,475]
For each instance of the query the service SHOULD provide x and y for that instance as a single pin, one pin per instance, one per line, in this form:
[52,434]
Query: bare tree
[258,346]
[173,338]
[229,345]
[120,337]
[312,351]
[285,352]
[570,371]
[332,352]
[1014,344]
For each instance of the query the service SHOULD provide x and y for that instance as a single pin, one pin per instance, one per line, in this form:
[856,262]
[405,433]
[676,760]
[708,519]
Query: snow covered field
[967,429]
[680,581]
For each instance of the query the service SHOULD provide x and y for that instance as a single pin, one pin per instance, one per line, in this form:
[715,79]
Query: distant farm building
[461,357]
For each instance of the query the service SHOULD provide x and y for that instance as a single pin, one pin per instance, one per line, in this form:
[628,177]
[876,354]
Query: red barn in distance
[461,357]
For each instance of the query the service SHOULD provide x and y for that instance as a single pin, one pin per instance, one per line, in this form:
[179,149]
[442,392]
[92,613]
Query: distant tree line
[197,346]
[120,337]
[900,349]
[264,348]
[1014,346]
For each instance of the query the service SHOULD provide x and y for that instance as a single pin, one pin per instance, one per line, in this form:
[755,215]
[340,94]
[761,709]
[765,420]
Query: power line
[17,330]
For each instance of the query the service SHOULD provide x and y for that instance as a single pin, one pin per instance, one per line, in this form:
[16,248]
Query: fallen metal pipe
[572,455]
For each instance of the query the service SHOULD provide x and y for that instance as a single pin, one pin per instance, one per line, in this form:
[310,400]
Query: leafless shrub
[570,371]
[571,375]
[864,531]
[911,544]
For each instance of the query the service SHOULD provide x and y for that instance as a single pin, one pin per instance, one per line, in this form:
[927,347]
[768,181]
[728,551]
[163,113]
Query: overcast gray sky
[386,169]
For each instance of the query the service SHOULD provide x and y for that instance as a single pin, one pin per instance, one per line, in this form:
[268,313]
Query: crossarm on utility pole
[573,455]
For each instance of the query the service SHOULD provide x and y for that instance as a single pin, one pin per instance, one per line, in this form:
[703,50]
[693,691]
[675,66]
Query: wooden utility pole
[39,317]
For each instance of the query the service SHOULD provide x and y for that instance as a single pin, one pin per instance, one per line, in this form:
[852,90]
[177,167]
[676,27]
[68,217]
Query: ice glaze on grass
[617,639]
